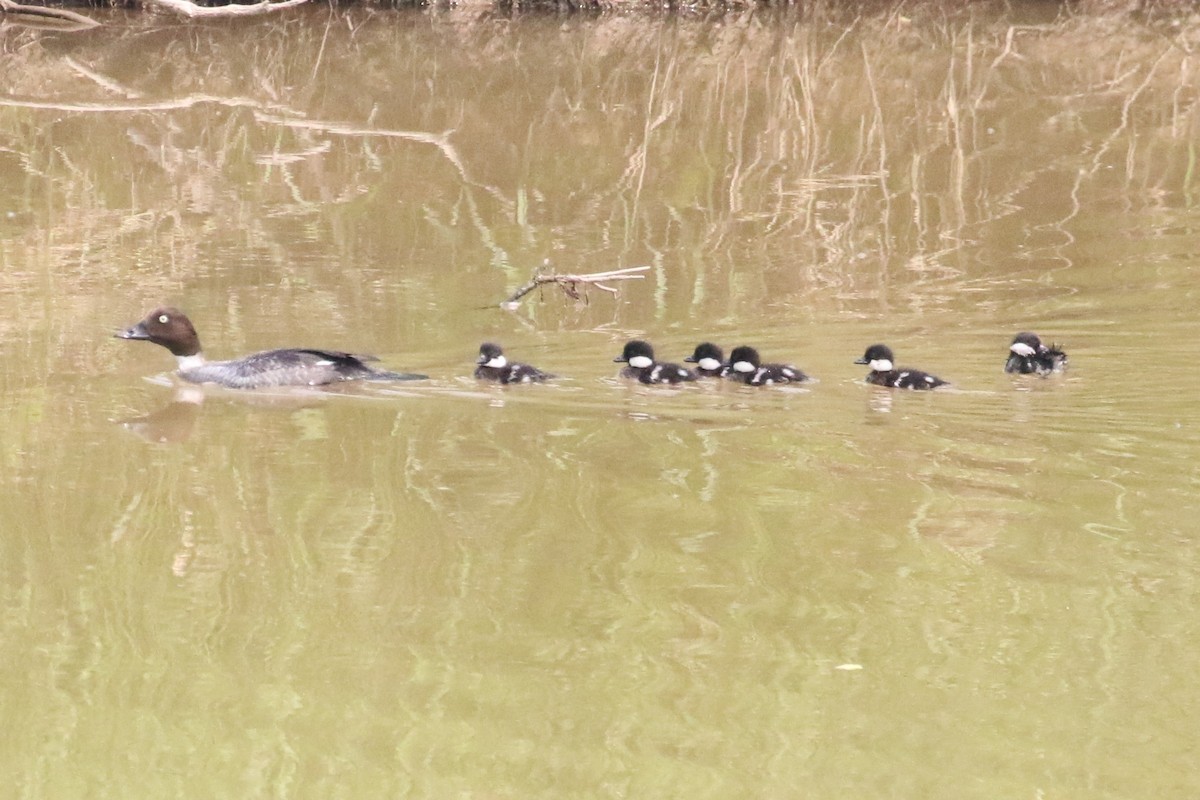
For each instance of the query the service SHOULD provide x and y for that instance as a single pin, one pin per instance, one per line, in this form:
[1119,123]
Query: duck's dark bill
[136,332]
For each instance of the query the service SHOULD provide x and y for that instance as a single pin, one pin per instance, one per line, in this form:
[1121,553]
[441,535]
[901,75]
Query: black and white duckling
[493,366]
[746,367]
[883,372]
[170,328]
[1027,355]
[709,361]
[639,358]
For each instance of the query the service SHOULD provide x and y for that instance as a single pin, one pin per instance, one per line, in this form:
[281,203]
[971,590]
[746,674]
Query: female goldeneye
[493,366]
[746,367]
[170,328]
[709,361]
[639,356]
[883,373]
[1028,355]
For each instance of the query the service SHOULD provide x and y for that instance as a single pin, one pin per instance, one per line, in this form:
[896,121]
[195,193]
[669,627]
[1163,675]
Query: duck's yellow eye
[164,319]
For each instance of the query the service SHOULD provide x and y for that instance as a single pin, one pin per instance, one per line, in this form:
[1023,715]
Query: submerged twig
[570,283]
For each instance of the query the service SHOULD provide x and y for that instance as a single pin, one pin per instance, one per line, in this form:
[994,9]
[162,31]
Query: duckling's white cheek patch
[497,362]
[1022,349]
[710,364]
[880,365]
[640,362]
[743,366]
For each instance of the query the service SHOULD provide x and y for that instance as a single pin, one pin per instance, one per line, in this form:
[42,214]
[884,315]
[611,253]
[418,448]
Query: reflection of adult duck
[171,328]
[884,373]
[171,423]
[1027,355]
[639,356]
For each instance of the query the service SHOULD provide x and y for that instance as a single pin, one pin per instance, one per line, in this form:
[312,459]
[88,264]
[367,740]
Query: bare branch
[439,140]
[111,107]
[101,80]
[570,283]
[272,113]
[56,14]
[189,9]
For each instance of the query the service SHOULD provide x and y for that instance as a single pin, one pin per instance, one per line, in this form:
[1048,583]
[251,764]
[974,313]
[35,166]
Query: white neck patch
[743,366]
[190,362]
[710,364]
[497,362]
[1022,349]
[640,362]
[880,365]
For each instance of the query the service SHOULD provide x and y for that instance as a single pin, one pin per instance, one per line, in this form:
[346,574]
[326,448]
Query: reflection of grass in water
[806,147]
